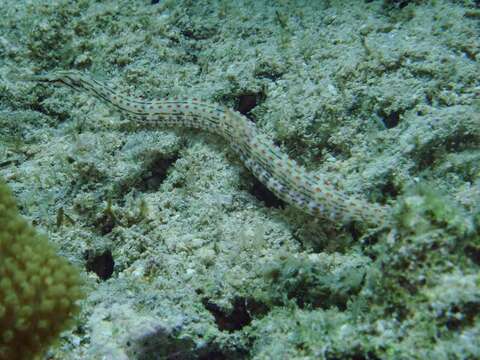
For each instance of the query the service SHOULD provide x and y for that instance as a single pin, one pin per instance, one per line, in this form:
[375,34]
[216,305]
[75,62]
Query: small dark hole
[390,189]
[238,317]
[155,173]
[101,264]
[262,193]
[391,119]
[246,103]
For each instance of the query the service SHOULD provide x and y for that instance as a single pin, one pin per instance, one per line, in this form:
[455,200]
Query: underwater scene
[239,179]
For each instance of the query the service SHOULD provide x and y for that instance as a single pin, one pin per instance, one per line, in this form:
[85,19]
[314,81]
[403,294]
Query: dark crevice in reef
[390,119]
[389,190]
[261,192]
[155,173]
[246,102]
[238,317]
[101,264]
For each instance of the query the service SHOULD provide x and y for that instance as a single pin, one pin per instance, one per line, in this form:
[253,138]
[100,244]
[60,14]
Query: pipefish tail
[283,176]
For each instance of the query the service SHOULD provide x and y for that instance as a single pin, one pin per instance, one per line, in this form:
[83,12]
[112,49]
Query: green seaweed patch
[425,208]
[432,235]
[313,280]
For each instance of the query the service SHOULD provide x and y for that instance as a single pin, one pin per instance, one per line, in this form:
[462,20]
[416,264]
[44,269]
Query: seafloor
[380,97]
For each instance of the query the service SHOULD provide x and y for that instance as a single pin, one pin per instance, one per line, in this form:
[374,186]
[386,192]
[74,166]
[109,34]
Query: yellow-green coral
[38,289]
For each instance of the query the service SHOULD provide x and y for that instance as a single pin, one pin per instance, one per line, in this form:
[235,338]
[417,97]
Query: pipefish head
[72,79]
